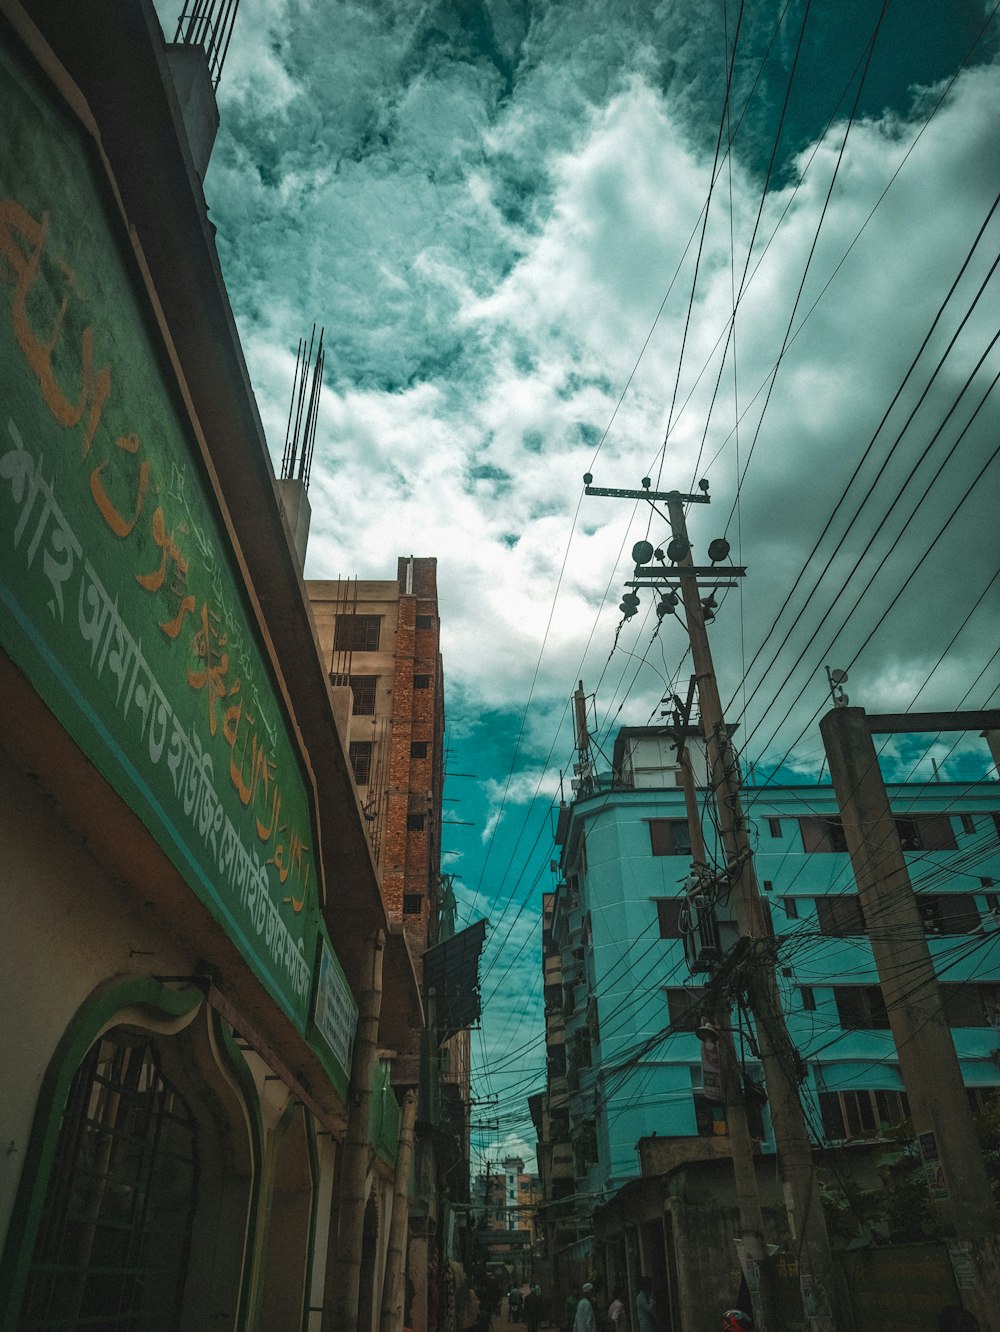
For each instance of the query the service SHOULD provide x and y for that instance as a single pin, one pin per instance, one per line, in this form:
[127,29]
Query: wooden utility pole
[343,1291]
[928,1064]
[391,1318]
[821,1293]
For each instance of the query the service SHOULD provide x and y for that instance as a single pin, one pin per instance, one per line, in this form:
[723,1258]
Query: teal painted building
[629,1001]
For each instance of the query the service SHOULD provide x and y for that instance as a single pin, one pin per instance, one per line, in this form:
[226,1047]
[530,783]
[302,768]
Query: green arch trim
[90,1019]
[240,1069]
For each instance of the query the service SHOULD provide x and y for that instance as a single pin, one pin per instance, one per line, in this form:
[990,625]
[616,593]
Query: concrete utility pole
[343,1291]
[766,1313]
[939,1106]
[821,1293]
[391,1317]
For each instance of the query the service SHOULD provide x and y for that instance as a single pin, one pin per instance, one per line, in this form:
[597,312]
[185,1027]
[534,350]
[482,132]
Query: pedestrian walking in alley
[647,1319]
[533,1308]
[617,1312]
[515,1303]
[585,1319]
[569,1309]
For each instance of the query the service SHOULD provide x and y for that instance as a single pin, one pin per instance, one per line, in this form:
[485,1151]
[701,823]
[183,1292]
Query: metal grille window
[421,682]
[668,911]
[949,913]
[413,904]
[415,822]
[669,837]
[357,633]
[418,749]
[112,1248]
[861,1114]
[360,754]
[861,1007]
[822,834]
[363,688]
[685,1008]
[840,916]
[971,1005]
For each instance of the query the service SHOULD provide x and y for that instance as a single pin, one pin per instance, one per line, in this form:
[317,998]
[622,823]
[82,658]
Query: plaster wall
[67,929]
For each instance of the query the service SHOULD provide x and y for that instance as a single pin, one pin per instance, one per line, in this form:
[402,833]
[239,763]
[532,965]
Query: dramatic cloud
[491,207]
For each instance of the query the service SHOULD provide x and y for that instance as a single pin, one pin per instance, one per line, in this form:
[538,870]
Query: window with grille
[421,682]
[413,904]
[926,832]
[668,912]
[861,1114]
[685,1008]
[360,754]
[822,834]
[971,1005]
[669,837]
[418,749]
[113,1243]
[357,633]
[840,915]
[949,913]
[363,688]
[415,822]
[861,1007]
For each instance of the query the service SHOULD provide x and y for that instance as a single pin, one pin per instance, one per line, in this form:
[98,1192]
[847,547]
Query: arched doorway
[113,1246]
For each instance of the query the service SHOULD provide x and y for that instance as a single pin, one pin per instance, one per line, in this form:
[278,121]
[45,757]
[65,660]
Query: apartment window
[421,682]
[669,837]
[968,823]
[981,1097]
[360,754]
[926,832]
[790,907]
[808,996]
[949,913]
[363,688]
[425,621]
[840,916]
[822,834]
[684,1008]
[774,827]
[357,633]
[861,1114]
[413,904]
[768,885]
[668,912]
[418,749]
[415,822]
[861,1007]
[971,1005]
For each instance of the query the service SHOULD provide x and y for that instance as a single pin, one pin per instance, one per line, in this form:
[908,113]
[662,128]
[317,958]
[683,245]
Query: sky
[525,226]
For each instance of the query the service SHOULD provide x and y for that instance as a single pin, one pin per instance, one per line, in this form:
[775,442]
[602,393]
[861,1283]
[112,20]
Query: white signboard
[336,1015]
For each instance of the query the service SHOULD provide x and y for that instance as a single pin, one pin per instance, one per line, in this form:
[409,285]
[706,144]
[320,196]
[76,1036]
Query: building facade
[193,909]
[620,941]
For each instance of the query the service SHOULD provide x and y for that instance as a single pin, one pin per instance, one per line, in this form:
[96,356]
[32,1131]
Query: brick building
[381,639]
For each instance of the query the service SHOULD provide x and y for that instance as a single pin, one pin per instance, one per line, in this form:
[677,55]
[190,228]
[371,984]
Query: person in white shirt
[585,1320]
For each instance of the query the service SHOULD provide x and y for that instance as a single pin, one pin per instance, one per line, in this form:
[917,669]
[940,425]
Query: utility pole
[343,1289]
[782,1066]
[391,1318]
[765,1312]
[939,1107]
